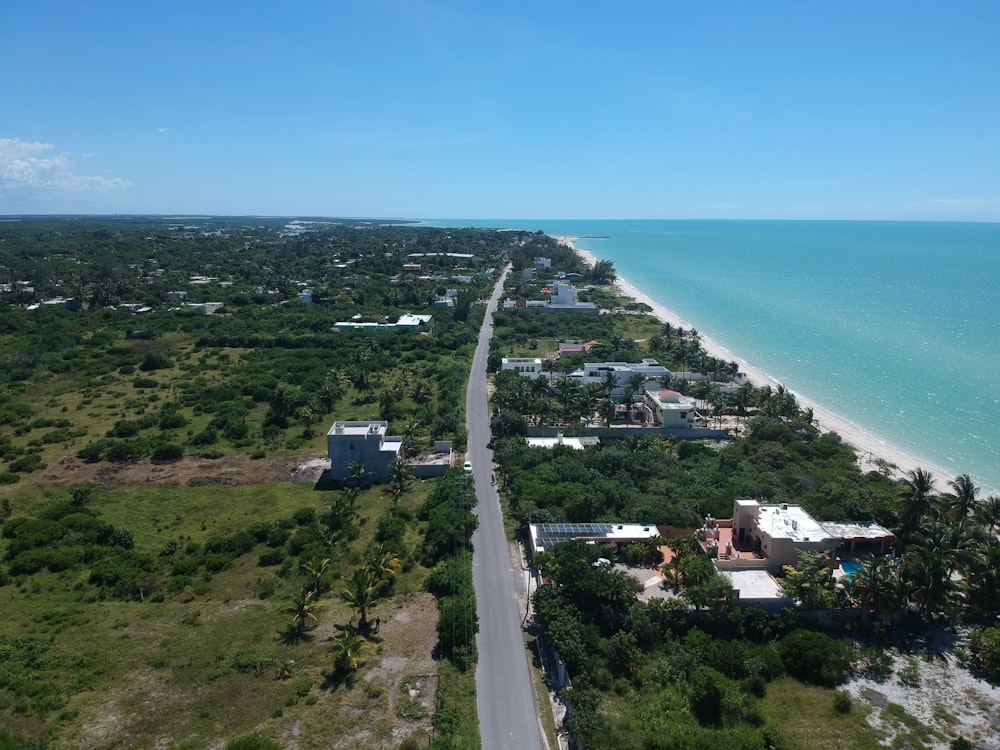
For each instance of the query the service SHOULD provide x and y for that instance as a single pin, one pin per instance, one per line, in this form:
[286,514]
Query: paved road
[505,696]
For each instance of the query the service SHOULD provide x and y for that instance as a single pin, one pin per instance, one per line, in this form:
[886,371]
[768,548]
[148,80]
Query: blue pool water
[850,567]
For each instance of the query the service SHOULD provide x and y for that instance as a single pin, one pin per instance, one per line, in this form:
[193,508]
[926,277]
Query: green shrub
[815,657]
[266,588]
[271,556]
[984,651]
[168,452]
[155,361]
[252,742]
[27,464]
[706,693]
[391,529]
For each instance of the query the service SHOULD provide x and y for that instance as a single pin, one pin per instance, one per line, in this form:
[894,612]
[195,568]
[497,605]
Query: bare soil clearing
[235,469]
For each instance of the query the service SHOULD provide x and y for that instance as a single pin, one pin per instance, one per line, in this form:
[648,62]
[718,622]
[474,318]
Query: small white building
[526,367]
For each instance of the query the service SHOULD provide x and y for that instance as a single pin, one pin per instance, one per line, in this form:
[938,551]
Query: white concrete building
[672,409]
[597,372]
[367,442]
[526,367]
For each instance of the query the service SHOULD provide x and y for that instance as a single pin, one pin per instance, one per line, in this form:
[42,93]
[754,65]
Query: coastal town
[259,458]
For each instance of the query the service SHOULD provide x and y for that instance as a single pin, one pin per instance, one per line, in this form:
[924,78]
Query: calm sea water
[893,325]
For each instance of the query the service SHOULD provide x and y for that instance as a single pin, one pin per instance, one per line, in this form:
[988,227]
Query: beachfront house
[672,409]
[777,532]
[366,442]
[565,298]
[598,372]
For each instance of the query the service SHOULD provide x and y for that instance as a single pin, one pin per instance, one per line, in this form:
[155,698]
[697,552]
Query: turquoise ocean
[894,326]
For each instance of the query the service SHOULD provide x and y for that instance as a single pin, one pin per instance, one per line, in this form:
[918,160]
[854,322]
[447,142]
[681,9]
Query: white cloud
[32,165]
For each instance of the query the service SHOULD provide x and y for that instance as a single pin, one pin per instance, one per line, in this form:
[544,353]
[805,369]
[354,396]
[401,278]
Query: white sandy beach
[869,447]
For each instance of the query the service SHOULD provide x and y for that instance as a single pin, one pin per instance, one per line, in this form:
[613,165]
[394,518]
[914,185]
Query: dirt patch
[236,469]
[403,675]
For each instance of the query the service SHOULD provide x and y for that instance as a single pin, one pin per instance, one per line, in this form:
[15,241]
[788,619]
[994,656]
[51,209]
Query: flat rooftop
[790,522]
[756,584]
[858,531]
[544,536]
[359,428]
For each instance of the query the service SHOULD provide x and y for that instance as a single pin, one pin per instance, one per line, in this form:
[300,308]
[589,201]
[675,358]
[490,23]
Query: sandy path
[869,447]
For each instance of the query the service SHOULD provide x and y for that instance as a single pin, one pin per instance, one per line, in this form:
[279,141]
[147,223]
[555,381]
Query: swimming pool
[850,567]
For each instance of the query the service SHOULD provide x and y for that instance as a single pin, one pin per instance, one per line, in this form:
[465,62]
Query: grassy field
[808,719]
[212,660]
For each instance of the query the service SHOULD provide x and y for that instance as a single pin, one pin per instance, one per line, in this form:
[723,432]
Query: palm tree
[316,570]
[590,399]
[962,501]
[876,585]
[361,379]
[362,593]
[306,414]
[283,400]
[633,386]
[302,608]
[917,502]
[988,512]
[984,577]
[742,399]
[331,391]
[609,383]
[422,392]
[607,410]
[410,437]
[399,480]
[386,401]
[346,651]
[930,563]
[284,669]
[568,393]
[382,565]
[358,474]
[603,272]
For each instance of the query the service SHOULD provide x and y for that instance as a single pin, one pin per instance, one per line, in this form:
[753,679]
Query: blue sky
[423,109]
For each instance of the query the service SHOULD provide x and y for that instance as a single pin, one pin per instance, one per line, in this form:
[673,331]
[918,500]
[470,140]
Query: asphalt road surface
[505,696]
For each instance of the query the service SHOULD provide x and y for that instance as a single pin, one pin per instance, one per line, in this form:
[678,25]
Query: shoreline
[870,448]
